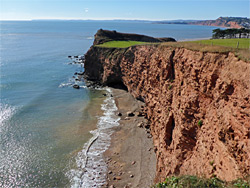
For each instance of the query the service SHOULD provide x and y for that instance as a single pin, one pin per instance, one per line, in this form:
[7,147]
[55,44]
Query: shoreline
[130,158]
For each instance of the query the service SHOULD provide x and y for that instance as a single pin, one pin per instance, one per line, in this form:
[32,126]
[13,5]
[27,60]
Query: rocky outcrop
[198,105]
[103,36]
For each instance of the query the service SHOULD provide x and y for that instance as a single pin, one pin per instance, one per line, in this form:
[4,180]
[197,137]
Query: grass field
[233,43]
[121,44]
[213,45]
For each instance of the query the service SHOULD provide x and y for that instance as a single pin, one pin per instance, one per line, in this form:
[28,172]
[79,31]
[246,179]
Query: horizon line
[110,19]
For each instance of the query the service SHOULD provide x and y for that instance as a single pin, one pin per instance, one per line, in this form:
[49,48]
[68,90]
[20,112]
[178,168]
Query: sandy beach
[131,159]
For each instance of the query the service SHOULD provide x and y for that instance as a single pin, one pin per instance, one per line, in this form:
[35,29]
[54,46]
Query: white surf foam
[6,112]
[71,82]
[91,168]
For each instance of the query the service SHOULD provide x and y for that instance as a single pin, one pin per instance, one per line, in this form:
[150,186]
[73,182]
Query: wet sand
[131,158]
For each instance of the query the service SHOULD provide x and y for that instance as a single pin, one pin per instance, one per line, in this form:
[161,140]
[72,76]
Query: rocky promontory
[197,103]
[103,36]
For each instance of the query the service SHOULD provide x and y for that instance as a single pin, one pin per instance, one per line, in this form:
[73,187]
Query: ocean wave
[65,84]
[6,112]
[91,167]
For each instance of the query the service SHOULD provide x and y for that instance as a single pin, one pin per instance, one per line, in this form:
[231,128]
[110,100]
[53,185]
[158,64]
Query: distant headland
[230,22]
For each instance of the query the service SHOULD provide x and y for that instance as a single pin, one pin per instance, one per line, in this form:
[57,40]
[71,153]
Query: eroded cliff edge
[198,105]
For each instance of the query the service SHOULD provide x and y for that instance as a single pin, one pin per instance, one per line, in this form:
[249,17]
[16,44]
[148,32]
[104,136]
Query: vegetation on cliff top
[121,44]
[238,46]
[103,36]
[242,43]
[231,33]
[217,46]
[195,182]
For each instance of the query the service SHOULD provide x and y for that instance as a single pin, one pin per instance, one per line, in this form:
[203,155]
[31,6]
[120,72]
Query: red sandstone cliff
[231,22]
[180,88]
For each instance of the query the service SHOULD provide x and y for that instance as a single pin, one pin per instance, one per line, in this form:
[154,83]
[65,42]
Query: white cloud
[86,10]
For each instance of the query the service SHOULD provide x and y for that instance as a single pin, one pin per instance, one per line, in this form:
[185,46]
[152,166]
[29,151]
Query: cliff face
[198,105]
[217,23]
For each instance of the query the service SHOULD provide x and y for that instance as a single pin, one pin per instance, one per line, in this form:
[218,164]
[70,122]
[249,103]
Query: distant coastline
[227,22]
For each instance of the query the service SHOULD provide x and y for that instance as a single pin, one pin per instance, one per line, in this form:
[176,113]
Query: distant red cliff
[230,22]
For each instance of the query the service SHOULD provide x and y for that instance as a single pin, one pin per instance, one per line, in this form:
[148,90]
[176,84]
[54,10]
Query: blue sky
[121,9]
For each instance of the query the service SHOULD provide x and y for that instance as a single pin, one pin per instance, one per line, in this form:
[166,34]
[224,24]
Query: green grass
[205,46]
[121,44]
[219,46]
[243,43]
[200,123]
[196,182]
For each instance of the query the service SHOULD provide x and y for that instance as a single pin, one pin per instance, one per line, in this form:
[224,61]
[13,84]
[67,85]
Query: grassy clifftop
[121,44]
[238,46]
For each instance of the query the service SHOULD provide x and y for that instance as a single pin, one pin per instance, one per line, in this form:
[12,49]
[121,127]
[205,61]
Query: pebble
[119,114]
[140,124]
[127,118]
[133,163]
[140,114]
[130,114]
[111,186]
[110,172]
[118,177]
[131,176]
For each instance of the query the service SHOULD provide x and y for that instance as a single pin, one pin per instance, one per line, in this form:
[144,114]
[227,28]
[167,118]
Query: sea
[52,135]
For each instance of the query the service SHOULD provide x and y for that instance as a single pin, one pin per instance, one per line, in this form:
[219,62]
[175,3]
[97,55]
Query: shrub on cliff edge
[196,182]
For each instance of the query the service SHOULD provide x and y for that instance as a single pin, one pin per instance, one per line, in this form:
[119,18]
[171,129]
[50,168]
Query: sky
[122,9]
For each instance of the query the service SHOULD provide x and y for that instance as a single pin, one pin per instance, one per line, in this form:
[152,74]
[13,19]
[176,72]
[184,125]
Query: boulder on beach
[76,86]
[80,73]
[130,114]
